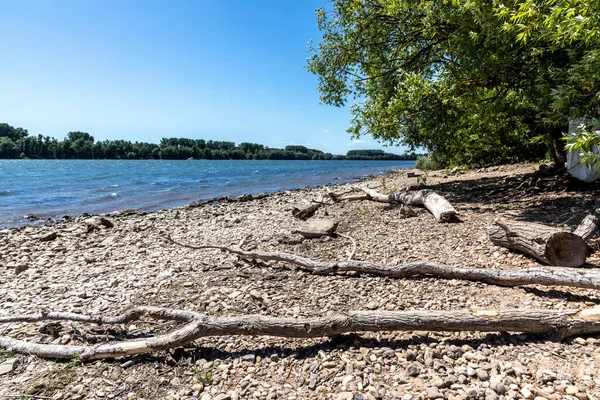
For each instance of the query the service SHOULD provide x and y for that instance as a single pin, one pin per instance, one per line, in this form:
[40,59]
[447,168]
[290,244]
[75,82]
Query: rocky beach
[69,267]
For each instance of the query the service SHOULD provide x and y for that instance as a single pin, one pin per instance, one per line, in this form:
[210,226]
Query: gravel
[68,267]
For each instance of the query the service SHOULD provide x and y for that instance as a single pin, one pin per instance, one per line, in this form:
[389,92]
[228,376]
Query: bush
[431,162]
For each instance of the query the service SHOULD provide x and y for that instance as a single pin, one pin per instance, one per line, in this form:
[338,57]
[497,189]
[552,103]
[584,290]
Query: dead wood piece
[307,212]
[407,212]
[347,196]
[558,323]
[571,277]
[589,225]
[549,245]
[437,205]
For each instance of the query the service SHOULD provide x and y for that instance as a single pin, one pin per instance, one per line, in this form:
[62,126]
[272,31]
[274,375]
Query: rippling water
[52,188]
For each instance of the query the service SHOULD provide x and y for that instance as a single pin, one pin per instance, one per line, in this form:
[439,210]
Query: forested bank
[18,143]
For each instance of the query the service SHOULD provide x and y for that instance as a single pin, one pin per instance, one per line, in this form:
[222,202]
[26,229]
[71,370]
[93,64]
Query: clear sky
[141,70]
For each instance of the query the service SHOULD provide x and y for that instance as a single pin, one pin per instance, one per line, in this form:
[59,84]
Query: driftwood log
[552,246]
[570,277]
[306,212]
[559,324]
[589,225]
[436,204]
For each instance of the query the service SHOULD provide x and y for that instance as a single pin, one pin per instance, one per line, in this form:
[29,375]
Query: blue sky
[141,70]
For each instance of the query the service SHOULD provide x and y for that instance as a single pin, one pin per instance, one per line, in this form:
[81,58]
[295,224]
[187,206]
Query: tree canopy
[472,80]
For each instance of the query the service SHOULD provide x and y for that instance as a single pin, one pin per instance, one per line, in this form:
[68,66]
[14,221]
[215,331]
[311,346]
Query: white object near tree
[583,172]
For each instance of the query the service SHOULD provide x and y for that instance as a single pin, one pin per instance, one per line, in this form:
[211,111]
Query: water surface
[54,188]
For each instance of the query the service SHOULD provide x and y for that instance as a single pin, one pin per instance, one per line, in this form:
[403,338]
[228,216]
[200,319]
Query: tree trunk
[441,208]
[550,245]
[557,323]
[589,225]
[559,151]
[437,205]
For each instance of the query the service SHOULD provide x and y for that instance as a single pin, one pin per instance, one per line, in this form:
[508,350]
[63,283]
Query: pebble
[433,393]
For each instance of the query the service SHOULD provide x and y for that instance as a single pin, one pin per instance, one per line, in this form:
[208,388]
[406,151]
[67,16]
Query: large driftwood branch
[560,324]
[437,205]
[550,245]
[571,277]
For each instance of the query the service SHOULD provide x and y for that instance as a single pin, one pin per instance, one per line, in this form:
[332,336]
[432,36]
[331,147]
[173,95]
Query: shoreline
[107,271]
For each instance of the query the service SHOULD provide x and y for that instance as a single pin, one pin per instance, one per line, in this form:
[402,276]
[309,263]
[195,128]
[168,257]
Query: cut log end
[448,217]
[549,245]
[566,249]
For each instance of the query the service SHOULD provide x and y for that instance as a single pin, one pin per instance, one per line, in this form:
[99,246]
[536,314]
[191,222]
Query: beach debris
[317,228]
[436,204]
[588,227]
[306,212]
[559,324]
[97,223]
[297,239]
[48,237]
[547,276]
[550,245]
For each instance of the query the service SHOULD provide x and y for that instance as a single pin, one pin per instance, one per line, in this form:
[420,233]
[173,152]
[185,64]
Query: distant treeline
[17,143]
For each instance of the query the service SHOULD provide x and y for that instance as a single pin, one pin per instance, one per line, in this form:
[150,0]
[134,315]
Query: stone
[21,268]
[491,395]
[198,387]
[317,228]
[412,370]
[312,384]
[572,390]
[345,396]
[222,396]
[433,393]
[526,393]
[482,375]
[8,366]
[97,223]
[49,237]
[498,387]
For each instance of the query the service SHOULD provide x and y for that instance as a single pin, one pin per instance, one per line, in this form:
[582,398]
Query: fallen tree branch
[437,205]
[559,324]
[353,251]
[571,277]
[552,246]
[589,225]
[306,212]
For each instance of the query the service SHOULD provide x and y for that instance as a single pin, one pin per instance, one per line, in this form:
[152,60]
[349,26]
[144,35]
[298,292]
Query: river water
[54,188]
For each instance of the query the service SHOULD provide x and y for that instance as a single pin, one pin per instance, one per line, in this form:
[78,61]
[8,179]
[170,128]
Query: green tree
[460,77]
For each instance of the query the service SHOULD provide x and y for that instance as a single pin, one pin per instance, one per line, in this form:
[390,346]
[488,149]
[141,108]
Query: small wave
[113,195]
[113,186]
[5,192]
